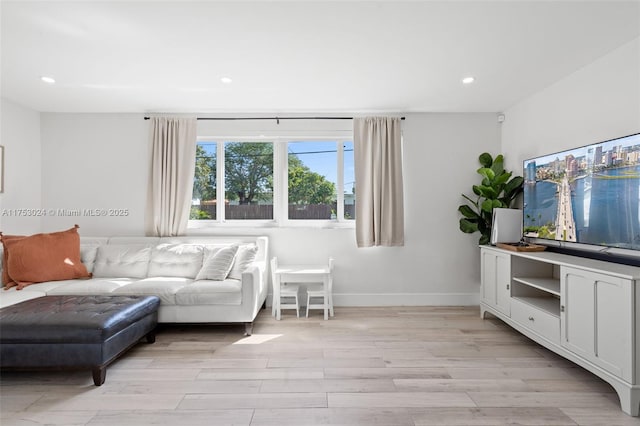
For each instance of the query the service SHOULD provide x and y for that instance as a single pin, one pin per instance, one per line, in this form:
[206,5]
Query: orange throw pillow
[5,256]
[44,257]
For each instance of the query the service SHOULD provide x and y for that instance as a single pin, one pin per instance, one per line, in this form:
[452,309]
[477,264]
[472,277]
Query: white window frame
[220,204]
[340,221]
[280,185]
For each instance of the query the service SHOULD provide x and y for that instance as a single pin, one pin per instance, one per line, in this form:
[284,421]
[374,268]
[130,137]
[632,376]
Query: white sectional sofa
[166,267]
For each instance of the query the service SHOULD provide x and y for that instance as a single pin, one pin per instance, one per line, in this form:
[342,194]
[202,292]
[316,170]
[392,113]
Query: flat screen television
[586,201]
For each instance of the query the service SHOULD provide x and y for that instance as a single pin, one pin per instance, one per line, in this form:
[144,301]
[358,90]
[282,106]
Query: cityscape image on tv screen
[586,195]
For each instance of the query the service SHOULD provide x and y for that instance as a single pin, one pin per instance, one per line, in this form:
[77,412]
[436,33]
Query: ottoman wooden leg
[99,375]
[151,337]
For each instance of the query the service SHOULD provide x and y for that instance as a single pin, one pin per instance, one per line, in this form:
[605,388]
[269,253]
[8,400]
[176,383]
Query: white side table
[282,274]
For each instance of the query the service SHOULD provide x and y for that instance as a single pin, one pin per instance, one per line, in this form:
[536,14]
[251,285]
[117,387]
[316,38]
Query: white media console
[587,311]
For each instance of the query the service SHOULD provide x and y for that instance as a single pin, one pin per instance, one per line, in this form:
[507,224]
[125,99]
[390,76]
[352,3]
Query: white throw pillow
[218,264]
[245,257]
[88,255]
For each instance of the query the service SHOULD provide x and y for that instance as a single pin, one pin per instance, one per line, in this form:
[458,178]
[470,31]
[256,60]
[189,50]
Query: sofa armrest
[254,288]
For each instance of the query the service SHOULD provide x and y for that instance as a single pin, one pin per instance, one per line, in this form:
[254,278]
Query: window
[288,181]
[248,180]
[312,178]
[204,197]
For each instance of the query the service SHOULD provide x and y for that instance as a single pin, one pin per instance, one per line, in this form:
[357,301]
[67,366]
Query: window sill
[315,224]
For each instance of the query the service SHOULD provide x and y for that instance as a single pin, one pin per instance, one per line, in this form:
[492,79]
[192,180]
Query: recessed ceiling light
[226,80]
[468,80]
[48,80]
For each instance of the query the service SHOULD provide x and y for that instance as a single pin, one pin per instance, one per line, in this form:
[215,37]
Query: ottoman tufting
[74,331]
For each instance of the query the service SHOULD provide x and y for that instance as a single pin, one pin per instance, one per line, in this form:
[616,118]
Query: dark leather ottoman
[74,331]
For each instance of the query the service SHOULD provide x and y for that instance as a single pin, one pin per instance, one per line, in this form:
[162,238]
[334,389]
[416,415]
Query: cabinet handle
[531,319]
[507,286]
[561,308]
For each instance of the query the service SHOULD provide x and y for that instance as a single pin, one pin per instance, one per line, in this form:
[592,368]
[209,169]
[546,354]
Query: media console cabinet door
[496,280]
[503,284]
[597,319]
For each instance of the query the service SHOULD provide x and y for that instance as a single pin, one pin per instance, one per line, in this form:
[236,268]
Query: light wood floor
[366,366]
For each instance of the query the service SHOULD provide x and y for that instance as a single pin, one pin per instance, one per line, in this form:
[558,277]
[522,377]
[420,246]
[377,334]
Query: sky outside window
[326,165]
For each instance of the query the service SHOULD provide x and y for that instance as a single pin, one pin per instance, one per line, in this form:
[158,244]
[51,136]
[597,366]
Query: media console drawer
[536,320]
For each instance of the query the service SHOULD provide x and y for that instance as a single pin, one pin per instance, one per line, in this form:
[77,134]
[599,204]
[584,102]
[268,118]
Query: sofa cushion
[11,297]
[218,264]
[163,287]
[48,286]
[207,292]
[94,286]
[245,257]
[122,261]
[175,260]
[44,257]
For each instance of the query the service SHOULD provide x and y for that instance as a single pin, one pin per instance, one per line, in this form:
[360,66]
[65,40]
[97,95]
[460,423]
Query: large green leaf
[488,192]
[513,187]
[498,165]
[468,212]
[502,178]
[487,173]
[467,226]
[476,190]
[487,206]
[484,240]
[506,202]
[485,159]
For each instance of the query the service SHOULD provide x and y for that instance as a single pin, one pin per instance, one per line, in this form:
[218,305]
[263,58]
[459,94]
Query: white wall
[100,161]
[598,102]
[94,161]
[20,136]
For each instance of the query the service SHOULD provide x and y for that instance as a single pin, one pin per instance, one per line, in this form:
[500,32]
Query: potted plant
[497,189]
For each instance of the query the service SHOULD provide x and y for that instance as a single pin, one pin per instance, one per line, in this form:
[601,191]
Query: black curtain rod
[273,118]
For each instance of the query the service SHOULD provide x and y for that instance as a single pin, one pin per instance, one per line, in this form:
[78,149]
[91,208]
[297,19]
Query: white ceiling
[321,56]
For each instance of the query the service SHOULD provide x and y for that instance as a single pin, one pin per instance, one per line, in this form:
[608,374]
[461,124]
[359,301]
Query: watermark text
[88,212]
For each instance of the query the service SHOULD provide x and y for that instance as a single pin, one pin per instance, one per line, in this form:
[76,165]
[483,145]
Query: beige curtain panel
[379,189]
[173,153]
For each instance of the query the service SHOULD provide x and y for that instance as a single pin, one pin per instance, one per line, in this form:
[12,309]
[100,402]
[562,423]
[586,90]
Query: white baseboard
[406,299]
[402,299]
